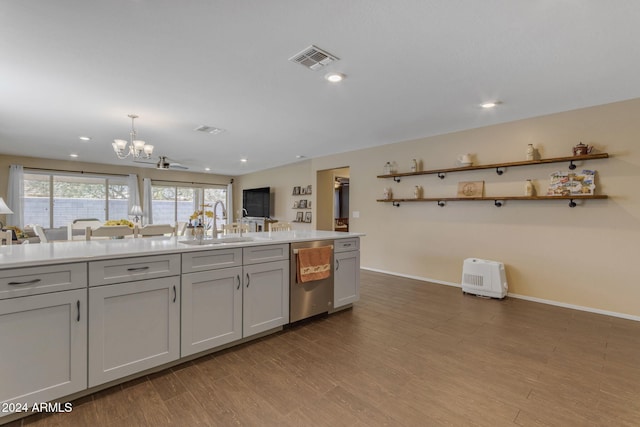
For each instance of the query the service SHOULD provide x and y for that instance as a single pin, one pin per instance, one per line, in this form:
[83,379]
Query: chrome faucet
[215,217]
[244,212]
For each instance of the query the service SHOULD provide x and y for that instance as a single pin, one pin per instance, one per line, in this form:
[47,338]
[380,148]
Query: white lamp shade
[148,149]
[136,210]
[138,145]
[4,209]
[119,144]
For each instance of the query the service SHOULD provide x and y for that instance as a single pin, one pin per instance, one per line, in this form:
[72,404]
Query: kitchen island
[77,317]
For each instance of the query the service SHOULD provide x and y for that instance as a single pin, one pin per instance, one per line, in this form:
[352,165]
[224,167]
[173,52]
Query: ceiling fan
[164,163]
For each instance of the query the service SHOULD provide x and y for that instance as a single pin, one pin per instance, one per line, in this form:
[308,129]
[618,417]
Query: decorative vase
[387,168]
[386,194]
[528,188]
[417,192]
[530,152]
[414,165]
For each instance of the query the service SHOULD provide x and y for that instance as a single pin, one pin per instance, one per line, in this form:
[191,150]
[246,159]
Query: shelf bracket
[571,166]
[498,203]
[441,203]
[396,204]
[396,178]
[441,175]
[499,171]
[572,204]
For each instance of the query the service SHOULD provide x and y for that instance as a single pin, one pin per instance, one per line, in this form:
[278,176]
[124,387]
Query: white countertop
[82,251]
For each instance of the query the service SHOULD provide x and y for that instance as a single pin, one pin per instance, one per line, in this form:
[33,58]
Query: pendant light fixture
[137,149]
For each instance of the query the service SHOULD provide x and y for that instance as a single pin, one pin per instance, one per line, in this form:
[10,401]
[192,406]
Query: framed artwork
[308,204]
[307,217]
[308,189]
[303,204]
[571,183]
[470,189]
[296,191]
[296,204]
[303,190]
[299,217]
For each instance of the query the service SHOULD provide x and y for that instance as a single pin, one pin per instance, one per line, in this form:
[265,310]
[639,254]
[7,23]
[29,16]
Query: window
[54,199]
[173,203]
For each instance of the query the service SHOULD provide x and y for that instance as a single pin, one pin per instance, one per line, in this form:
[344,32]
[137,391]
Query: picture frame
[307,217]
[296,204]
[308,189]
[303,204]
[470,189]
[299,217]
[303,190]
[296,191]
[308,204]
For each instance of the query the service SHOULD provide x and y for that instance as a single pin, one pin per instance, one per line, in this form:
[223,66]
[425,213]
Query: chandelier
[137,149]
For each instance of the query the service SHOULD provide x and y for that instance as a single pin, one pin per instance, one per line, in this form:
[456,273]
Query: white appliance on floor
[485,278]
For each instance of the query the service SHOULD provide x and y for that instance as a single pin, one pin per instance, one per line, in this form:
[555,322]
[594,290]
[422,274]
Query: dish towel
[314,263]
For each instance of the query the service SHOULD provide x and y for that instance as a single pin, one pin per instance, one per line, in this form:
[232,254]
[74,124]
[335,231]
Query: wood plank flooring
[408,354]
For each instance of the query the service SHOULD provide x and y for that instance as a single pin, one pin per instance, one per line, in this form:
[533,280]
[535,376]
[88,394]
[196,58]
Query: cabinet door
[43,347]
[266,297]
[346,285]
[211,309]
[132,327]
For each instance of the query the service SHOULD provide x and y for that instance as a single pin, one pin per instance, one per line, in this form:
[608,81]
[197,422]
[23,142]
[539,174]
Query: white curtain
[146,204]
[15,196]
[134,192]
[229,203]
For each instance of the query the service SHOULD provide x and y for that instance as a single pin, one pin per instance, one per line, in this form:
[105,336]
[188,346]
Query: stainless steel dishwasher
[310,298]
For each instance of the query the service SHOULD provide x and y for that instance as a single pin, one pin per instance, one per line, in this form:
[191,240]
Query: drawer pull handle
[78,306]
[248,280]
[28,282]
[337,264]
[346,245]
[175,293]
[238,277]
[137,268]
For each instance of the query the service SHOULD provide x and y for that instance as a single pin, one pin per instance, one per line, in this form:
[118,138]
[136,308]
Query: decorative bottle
[414,165]
[528,188]
[530,152]
[387,168]
[417,192]
[387,194]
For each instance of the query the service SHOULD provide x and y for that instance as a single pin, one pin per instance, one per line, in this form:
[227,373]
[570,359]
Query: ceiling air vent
[313,58]
[209,129]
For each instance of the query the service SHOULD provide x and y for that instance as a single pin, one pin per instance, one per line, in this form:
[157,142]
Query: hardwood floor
[410,354]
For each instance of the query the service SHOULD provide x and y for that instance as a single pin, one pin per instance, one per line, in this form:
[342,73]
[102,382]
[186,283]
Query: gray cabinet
[346,285]
[43,346]
[211,309]
[133,326]
[265,297]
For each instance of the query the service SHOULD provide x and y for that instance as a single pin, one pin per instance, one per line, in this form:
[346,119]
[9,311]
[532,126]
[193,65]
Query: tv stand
[258,223]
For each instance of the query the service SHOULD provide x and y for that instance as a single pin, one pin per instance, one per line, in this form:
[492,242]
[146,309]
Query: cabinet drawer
[18,282]
[130,269]
[267,253]
[211,260]
[344,245]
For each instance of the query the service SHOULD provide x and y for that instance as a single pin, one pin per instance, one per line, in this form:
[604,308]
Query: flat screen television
[257,202]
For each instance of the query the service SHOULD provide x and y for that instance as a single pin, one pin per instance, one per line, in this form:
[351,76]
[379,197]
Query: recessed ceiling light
[207,169]
[243,160]
[335,77]
[209,129]
[85,138]
[300,156]
[490,104]
[73,155]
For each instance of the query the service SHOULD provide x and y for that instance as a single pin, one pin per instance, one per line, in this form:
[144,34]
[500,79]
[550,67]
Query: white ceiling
[415,68]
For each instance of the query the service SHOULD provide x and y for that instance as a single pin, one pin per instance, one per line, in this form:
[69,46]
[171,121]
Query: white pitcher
[465,159]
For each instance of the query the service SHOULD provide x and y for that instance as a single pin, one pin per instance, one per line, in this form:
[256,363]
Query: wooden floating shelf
[499,166]
[496,199]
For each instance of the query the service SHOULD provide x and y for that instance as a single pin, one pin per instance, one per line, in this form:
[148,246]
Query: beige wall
[583,256]
[281,180]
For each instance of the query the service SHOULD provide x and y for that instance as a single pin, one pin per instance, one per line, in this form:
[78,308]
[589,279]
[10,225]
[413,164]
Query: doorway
[332,203]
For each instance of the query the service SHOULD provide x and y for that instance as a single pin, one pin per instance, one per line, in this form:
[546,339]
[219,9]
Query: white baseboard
[512,295]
